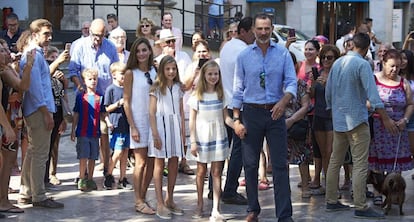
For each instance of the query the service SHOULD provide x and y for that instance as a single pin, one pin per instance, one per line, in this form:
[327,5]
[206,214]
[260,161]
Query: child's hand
[135,134]
[62,127]
[157,142]
[194,149]
[110,126]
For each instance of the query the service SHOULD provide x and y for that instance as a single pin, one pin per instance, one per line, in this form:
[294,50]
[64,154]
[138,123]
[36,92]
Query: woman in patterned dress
[395,92]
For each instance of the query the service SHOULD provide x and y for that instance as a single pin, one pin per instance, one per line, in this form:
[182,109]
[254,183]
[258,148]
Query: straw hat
[165,35]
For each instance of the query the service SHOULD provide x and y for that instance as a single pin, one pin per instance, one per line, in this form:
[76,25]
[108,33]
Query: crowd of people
[156,103]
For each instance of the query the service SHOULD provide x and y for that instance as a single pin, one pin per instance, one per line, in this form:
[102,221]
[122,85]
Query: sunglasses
[262,80]
[170,41]
[145,26]
[327,57]
[149,80]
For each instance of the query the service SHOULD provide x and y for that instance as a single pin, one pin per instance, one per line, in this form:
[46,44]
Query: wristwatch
[406,120]
[235,119]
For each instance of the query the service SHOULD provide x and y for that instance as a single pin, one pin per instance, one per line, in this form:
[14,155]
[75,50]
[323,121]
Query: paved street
[118,205]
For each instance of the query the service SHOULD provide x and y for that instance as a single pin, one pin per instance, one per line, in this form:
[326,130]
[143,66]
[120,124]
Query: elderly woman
[388,152]
[118,37]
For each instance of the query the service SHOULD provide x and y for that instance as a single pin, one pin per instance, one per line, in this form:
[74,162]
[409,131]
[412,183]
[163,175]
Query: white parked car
[280,34]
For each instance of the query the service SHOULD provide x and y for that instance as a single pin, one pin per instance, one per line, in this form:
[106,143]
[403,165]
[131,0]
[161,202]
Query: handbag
[299,130]
[67,113]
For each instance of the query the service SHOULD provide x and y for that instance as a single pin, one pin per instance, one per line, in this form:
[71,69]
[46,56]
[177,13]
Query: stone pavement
[118,205]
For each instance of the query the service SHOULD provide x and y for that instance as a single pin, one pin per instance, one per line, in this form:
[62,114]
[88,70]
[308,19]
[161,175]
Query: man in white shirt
[228,57]
[168,43]
[167,20]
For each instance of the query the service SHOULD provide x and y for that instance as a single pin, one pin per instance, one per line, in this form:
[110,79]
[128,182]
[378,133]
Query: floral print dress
[383,148]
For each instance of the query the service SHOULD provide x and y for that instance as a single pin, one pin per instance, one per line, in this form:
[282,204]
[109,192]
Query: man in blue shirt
[350,85]
[264,83]
[95,52]
[38,109]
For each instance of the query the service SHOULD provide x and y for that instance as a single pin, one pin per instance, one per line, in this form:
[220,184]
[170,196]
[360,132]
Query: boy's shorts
[119,141]
[87,148]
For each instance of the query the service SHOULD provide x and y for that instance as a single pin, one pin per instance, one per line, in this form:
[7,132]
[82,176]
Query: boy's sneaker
[91,185]
[109,180]
[82,184]
[368,214]
[124,184]
[338,206]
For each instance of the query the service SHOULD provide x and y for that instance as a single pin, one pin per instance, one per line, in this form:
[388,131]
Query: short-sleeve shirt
[117,117]
[89,107]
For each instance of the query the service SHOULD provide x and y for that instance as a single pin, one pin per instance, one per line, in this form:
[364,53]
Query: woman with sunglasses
[138,79]
[322,122]
[144,30]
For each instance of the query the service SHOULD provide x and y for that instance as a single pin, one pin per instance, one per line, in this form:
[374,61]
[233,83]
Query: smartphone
[67,46]
[292,33]
[201,62]
[315,73]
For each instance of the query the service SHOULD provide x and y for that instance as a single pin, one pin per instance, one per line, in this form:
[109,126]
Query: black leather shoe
[237,199]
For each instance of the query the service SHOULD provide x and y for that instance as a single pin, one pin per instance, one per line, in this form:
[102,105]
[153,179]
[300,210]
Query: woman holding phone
[322,118]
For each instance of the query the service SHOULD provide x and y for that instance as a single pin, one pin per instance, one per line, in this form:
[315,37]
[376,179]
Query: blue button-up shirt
[350,84]
[277,69]
[40,90]
[85,56]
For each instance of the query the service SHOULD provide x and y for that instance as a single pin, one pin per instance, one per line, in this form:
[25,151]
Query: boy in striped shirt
[87,113]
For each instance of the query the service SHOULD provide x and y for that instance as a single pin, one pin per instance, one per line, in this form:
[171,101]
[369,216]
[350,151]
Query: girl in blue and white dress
[167,133]
[208,136]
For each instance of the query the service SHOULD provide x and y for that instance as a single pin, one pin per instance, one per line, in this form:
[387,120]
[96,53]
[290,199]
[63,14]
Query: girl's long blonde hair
[202,83]
[161,81]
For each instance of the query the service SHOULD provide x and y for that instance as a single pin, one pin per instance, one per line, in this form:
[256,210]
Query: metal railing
[164,5]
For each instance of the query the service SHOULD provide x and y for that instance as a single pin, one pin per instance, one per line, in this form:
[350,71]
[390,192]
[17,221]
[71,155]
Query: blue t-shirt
[117,117]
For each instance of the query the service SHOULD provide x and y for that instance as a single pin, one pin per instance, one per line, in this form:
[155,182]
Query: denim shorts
[87,148]
[119,141]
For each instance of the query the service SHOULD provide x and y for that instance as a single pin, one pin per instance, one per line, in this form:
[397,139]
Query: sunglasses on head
[327,57]
[149,80]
